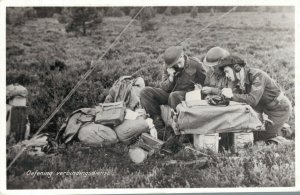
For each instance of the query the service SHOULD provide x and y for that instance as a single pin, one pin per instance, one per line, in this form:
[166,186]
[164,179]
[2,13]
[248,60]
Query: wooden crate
[207,141]
[241,140]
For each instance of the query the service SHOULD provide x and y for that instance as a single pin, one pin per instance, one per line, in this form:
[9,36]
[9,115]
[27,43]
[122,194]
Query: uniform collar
[246,70]
[186,64]
[186,59]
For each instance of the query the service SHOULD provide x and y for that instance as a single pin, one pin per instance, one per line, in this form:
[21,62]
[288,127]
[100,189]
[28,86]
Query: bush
[173,11]
[212,12]
[148,25]
[176,10]
[126,10]
[147,13]
[61,18]
[186,9]
[114,12]
[47,12]
[194,12]
[79,19]
[168,11]
[133,12]
[30,13]
[19,15]
[160,10]
[145,19]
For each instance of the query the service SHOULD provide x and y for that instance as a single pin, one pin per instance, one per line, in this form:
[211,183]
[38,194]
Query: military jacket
[193,72]
[259,89]
[216,80]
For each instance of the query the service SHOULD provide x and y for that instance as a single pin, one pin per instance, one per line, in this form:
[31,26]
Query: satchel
[110,114]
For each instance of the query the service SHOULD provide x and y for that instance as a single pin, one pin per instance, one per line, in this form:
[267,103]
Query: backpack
[126,89]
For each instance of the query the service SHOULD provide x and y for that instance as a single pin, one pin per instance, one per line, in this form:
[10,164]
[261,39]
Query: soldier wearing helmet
[215,80]
[256,88]
[180,73]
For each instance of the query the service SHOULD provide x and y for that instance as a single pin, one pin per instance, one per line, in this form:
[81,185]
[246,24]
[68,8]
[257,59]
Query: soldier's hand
[206,90]
[171,73]
[227,92]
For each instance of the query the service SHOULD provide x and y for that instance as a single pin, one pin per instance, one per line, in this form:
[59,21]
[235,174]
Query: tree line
[79,18]
[41,12]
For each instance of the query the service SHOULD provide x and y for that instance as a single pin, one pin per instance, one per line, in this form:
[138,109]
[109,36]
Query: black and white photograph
[176,97]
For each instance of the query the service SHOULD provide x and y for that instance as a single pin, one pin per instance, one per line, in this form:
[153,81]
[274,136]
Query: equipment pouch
[110,114]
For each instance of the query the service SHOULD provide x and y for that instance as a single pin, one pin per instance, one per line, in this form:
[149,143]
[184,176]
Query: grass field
[264,40]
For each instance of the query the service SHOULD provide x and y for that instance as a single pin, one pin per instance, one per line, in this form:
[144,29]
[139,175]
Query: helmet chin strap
[237,72]
[236,76]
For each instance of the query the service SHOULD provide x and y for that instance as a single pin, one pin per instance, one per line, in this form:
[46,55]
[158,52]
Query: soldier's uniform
[172,93]
[264,95]
[216,80]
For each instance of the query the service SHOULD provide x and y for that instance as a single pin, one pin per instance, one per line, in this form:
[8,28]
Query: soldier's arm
[207,83]
[257,90]
[201,73]
[216,91]
[166,84]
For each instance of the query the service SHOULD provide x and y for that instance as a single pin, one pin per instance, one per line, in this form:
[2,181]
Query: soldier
[180,73]
[256,88]
[215,79]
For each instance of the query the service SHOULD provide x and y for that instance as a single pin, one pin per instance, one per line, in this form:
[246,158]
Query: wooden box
[207,141]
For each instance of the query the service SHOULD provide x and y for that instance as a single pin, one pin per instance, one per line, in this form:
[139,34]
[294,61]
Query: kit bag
[207,119]
[129,130]
[97,134]
[110,114]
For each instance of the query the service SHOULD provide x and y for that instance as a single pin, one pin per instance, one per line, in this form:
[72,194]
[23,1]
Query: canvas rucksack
[126,89]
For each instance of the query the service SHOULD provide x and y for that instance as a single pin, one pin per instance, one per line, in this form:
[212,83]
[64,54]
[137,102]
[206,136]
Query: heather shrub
[49,62]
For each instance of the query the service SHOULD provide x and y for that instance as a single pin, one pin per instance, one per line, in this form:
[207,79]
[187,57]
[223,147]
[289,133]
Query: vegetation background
[49,49]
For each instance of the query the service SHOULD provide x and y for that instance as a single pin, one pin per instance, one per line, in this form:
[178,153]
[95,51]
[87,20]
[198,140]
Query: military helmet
[172,54]
[214,55]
